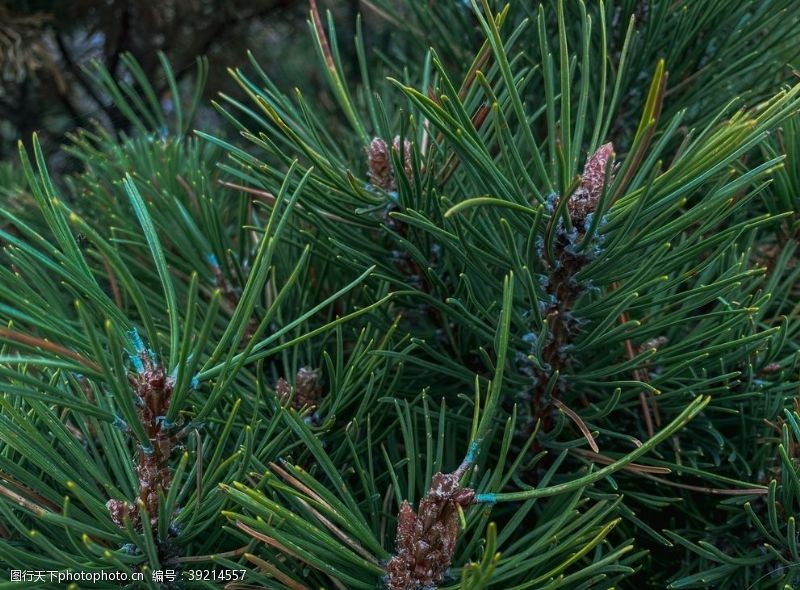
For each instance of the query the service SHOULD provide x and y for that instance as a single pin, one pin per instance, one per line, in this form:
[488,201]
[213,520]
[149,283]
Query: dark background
[45,46]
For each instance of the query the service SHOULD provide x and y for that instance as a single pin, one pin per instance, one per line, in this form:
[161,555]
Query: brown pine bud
[118,511]
[307,388]
[652,343]
[585,198]
[408,168]
[379,164]
[283,390]
[426,540]
[771,368]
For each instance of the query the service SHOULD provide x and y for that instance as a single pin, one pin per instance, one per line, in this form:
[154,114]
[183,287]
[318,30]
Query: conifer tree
[515,311]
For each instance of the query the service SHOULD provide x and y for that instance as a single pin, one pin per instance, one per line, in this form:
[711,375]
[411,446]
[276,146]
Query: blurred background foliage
[47,48]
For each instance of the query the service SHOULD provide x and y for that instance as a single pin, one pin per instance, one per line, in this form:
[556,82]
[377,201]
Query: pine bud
[585,198]
[379,162]
[380,165]
[656,343]
[307,388]
[282,389]
[408,170]
[771,368]
[118,511]
[426,540]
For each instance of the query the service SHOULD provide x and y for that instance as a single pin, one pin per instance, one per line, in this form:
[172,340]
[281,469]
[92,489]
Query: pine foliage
[518,311]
